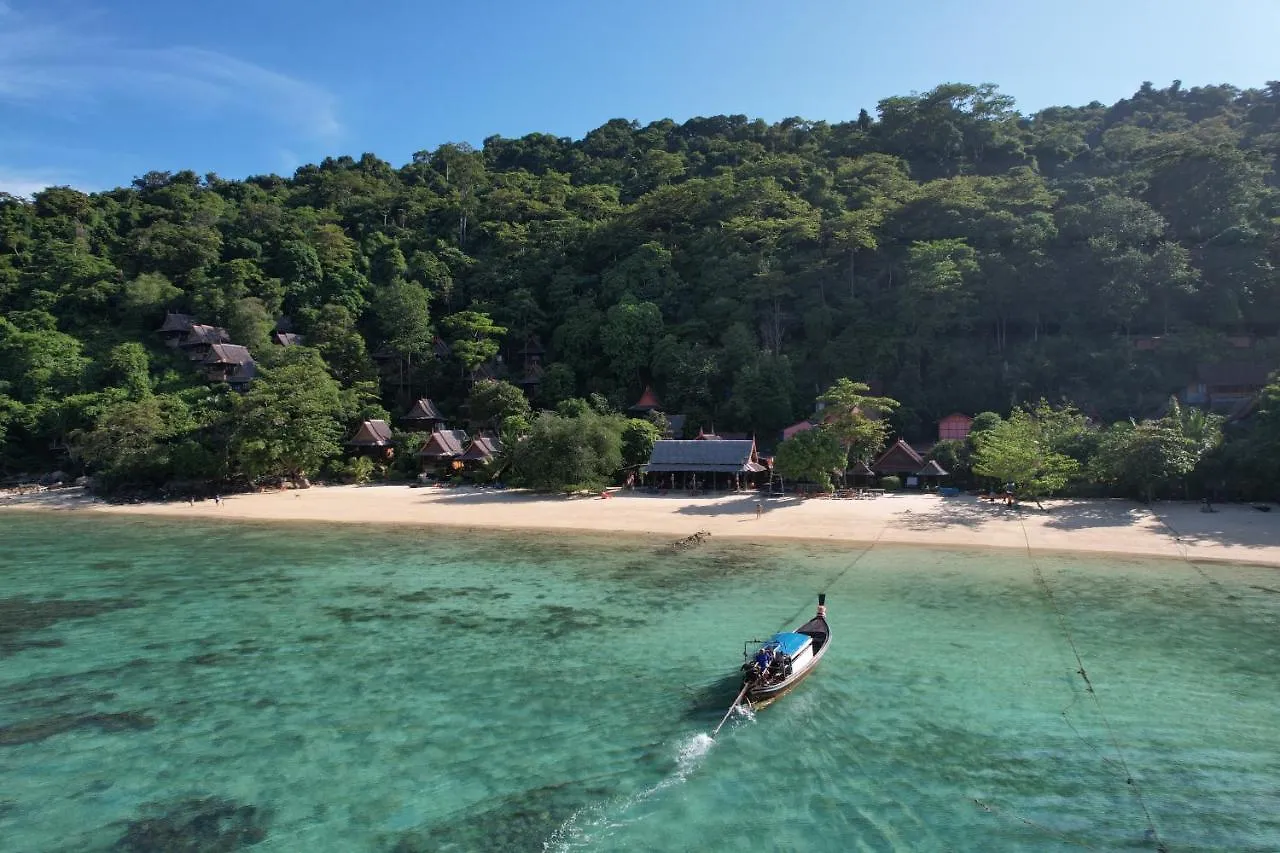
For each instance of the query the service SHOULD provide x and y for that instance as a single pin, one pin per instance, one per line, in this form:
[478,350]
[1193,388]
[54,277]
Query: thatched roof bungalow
[932,469]
[423,415]
[371,433]
[443,445]
[175,326]
[221,361]
[200,338]
[482,449]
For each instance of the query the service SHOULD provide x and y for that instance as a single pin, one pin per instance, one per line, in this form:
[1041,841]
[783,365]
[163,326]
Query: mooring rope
[1084,674]
[838,575]
[1183,551]
[1048,830]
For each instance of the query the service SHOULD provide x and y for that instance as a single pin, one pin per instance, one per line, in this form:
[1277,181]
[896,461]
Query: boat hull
[769,692]
[820,633]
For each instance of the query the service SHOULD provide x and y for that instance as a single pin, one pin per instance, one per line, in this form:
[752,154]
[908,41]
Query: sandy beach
[1173,530]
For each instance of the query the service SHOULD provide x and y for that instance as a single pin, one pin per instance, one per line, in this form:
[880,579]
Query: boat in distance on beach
[779,663]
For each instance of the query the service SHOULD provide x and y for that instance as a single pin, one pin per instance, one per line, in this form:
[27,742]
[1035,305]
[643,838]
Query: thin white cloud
[25,183]
[60,66]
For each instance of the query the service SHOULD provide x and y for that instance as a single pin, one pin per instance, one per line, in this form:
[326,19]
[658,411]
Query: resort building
[442,448]
[198,340]
[423,415]
[223,360]
[531,357]
[954,427]
[175,328]
[703,464]
[1226,385]
[373,437]
[482,449]
[649,402]
[286,339]
[900,459]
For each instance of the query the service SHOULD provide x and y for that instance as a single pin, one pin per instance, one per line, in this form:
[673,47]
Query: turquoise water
[210,686]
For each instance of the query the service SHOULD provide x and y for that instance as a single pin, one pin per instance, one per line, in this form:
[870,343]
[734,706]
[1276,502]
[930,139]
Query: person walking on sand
[759,509]
[217,500]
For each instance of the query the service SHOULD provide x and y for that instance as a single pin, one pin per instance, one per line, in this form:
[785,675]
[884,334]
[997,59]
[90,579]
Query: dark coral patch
[205,825]
[34,731]
[20,616]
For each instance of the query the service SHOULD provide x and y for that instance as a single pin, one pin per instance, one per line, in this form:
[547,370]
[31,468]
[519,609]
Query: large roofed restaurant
[709,465]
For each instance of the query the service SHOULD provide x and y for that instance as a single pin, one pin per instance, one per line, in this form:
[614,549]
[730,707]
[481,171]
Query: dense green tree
[627,339]
[638,438]
[128,367]
[492,402]
[333,333]
[856,417]
[811,456]
[130,442]
[288,424]
[473,336]
[569,453]
[1018,451]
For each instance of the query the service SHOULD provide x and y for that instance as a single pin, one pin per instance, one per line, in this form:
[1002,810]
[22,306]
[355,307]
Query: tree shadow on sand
[975,514]
[1229,524]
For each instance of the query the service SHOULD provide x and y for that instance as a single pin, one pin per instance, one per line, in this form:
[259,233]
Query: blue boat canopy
[791,644]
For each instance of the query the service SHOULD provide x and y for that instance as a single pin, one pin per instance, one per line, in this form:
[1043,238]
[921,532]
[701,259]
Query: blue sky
[95,93]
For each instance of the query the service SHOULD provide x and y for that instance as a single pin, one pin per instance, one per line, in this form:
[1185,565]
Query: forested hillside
[954,252]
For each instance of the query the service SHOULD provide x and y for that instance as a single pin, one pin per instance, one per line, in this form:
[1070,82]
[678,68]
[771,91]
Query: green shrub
[357,470]
[890,483]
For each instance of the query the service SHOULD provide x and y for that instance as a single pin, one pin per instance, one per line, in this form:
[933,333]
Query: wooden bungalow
[242,376]
[931,471]
[423,415]
[703,464]
[443,447]
[532,352]
[198,340]
[222,360]
[532,378]
[860,474]
[286,339]
[373,437]
[482,449]
[954,427]
[900,459]
[175,327]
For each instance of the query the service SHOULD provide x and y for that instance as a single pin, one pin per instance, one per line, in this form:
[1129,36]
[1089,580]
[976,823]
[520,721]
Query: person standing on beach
[217,500]
[759,509]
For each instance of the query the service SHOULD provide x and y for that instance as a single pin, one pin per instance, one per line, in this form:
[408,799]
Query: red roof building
[954,427]
[648,401]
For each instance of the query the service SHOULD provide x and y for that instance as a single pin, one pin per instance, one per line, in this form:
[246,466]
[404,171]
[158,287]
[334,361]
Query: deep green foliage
[492,402]
[961,255]
[569,454]
[290,422]
[638,437]
[811,456]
